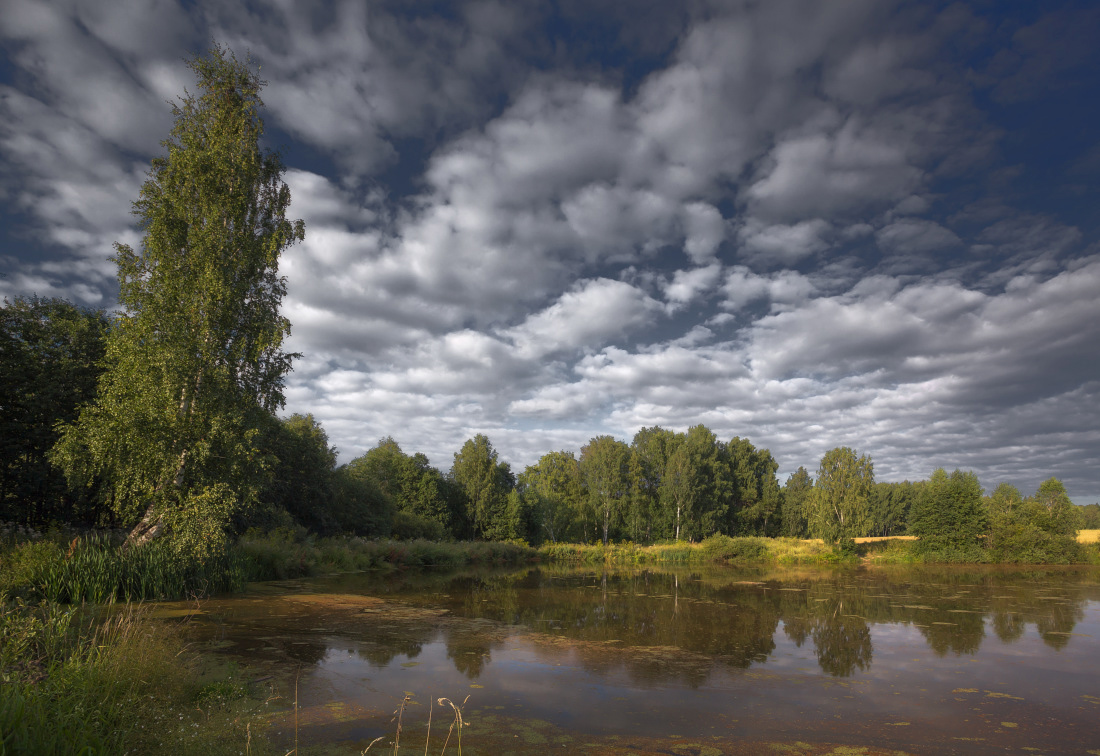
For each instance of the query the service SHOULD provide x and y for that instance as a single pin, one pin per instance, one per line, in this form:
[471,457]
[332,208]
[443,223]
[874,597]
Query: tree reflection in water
[658,626]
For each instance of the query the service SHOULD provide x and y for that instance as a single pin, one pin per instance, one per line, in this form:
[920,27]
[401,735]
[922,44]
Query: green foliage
[604,469]
[890,507]
[756,494]
[412,485]
[1090,516]
[721,549]
[359,506]
[1039,530]
[839,503]
[195,363]
[301,478]
[484,482]
[409,527]
[51,353]
[649,453]
[695,487]
[553,497]
[83,682]
[793,504]
[949,515]
[289,554]
[96,571]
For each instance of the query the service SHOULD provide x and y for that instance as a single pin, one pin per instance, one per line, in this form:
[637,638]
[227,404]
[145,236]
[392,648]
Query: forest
[661,486]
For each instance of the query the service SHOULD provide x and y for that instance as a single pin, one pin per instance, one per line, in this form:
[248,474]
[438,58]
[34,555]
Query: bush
[722,548]
[408,527]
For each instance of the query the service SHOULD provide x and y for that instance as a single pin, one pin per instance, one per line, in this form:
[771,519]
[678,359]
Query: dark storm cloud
[809,224]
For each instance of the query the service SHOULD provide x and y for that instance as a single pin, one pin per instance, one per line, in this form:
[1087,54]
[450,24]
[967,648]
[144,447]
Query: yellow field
[1088,536]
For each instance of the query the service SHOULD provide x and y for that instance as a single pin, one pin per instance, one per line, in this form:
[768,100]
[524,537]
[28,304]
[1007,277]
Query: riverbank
[795,551]
[109,680]
[714,550]
[95,569]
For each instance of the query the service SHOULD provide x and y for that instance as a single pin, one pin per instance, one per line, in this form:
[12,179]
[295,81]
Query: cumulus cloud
[792,221]
[585,317]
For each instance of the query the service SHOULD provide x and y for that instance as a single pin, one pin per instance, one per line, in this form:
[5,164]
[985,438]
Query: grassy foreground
[105,680]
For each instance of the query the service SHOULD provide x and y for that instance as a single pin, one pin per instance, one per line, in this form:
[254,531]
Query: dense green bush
[1041,529]
[408,527]
[722,548]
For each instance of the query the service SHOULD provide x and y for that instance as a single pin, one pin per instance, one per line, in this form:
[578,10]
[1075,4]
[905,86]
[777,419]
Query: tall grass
[78,681]
[717,549]
[94,570]
[282,555]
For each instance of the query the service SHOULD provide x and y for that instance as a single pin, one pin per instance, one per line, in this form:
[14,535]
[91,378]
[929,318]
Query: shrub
[408,527]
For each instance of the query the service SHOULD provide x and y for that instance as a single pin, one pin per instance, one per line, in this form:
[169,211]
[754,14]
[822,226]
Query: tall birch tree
[195,359]
[838,505]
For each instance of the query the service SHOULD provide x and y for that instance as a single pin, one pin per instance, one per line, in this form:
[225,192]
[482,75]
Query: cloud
[852,168]
[585,317]
[784,244]
[688,285]
[795,221]
[916,237]
[781,289]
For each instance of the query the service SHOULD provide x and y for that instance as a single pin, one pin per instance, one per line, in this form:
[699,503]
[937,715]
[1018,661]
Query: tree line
[163,418]
[662,485]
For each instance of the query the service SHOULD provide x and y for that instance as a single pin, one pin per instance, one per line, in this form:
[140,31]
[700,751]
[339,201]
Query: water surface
[712,661]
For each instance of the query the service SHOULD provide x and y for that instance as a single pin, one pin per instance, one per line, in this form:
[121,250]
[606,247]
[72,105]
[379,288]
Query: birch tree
[195,359]
[838,506]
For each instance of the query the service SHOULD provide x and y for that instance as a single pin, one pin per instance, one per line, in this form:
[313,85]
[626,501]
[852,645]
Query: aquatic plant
[94,570]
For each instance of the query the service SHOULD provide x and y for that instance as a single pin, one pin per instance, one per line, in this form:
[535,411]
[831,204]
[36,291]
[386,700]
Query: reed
[283,554]
[96,571]
[457,724]
[717,549]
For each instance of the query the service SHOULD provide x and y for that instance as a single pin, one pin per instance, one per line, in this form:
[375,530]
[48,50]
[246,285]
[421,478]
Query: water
[683,661]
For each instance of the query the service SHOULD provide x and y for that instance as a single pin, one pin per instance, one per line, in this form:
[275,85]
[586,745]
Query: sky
[859,223]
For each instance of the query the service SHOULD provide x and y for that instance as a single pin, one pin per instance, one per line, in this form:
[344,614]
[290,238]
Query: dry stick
[428,737]
[296,675]
[457,720]
[400,711]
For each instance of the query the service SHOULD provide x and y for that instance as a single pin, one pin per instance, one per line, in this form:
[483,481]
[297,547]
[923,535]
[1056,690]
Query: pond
[680,661]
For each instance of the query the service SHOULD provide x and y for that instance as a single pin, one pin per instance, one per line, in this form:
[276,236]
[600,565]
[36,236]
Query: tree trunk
[150,527]
[152,523]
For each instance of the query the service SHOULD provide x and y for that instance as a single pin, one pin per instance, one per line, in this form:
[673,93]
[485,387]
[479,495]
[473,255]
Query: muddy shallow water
[681,661]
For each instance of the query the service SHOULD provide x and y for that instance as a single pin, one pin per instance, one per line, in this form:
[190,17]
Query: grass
[1088,536]
[717,549]
[282,554]
[109,681]
[95,570]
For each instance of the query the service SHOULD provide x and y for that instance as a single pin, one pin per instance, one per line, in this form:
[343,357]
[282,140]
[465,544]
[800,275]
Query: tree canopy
[195,361]
[949,512]
[50,355]
[838,505]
